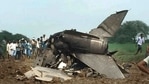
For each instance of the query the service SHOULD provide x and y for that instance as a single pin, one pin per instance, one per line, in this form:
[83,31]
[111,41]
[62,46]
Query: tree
[129,30]
[7,36]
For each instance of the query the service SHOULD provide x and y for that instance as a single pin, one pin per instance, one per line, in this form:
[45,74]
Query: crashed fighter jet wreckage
[77,50]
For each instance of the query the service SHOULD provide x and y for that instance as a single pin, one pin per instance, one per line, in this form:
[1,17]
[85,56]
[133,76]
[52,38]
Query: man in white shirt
[140,41]
[13,48]
[144,65]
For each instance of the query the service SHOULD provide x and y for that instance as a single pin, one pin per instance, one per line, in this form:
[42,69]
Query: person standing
[13,46]
[38,47]
[18,50]
[8,49]
[28,49]
[44,39]
[1,52]
[140,41]
[34,48]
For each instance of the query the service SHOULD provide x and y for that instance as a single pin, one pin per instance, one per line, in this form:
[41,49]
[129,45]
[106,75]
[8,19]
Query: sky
[33,18]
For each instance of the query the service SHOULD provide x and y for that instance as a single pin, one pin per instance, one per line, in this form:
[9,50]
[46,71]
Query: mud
[11,72]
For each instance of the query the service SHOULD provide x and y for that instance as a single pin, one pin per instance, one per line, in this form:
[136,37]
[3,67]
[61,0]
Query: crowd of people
[25,48]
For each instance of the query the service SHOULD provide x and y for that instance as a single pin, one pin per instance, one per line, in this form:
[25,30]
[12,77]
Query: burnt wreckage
[77,49]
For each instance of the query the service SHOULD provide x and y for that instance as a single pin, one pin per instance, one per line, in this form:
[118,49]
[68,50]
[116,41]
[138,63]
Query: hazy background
[34,18]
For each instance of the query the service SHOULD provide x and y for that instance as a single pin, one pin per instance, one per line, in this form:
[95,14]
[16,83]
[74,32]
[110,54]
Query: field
[126,52]
[12,69]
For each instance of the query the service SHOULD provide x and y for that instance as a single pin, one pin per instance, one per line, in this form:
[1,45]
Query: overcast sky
[34,18]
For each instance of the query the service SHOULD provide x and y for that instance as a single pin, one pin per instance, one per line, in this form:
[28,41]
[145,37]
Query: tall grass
[126,52]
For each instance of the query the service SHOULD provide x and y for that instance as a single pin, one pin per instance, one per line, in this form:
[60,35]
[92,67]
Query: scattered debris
[75,53]
[46,74]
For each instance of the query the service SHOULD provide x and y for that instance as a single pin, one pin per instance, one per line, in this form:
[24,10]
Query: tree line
[128,32]
[8,36]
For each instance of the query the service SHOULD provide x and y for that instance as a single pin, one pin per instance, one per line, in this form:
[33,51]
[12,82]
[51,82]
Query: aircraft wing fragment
[102,64]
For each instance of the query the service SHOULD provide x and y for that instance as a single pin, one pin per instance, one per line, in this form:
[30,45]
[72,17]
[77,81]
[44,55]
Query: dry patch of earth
[12,71]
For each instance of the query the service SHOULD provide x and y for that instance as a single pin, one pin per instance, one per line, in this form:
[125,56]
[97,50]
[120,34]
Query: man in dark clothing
[18,50]
[1,52]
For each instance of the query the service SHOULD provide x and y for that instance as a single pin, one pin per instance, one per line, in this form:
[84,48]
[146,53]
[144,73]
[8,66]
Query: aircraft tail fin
[110,25]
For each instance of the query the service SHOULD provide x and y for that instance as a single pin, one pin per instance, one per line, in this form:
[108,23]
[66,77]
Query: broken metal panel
[32,73]
[49,57]
[29,74]
[38,61]
[110,25]
[48,72]
[62,65]
[37,73]
[44,78]
[102,64]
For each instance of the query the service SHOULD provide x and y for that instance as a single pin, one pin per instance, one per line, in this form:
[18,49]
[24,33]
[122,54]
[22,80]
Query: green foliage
[128,32]
[126,52]
[7,36]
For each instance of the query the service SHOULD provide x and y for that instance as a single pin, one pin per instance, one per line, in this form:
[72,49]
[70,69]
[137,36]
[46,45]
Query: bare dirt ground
[11,70]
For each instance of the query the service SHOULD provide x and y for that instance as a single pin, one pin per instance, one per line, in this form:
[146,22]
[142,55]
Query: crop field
[126,52]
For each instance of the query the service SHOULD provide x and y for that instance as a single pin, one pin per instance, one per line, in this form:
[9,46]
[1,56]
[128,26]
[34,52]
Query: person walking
[140,41]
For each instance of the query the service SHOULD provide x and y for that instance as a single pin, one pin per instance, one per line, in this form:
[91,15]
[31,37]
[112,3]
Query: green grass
[126,52]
